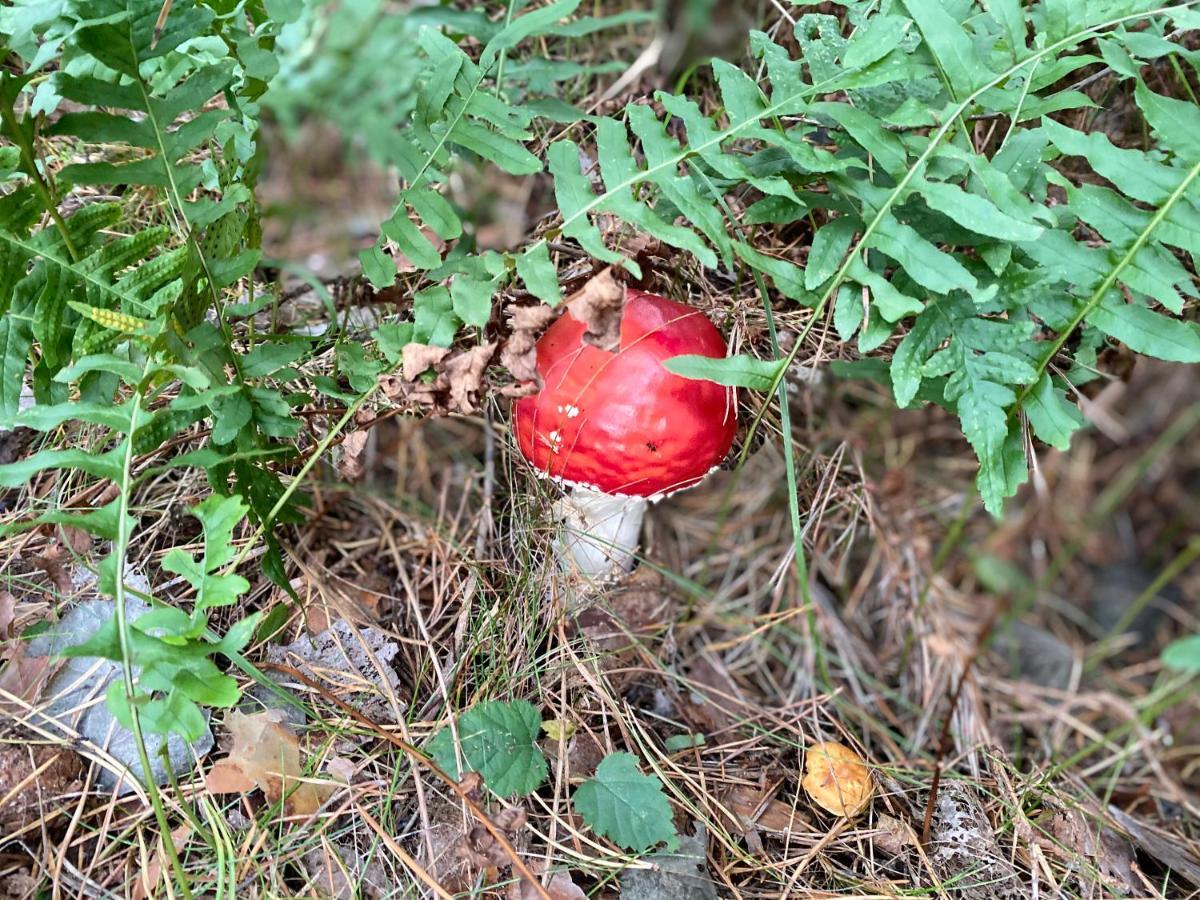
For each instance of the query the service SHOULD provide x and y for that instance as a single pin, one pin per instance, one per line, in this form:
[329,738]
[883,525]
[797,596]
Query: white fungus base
[600,532]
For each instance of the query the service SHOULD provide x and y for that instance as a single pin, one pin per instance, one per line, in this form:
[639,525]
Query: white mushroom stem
[601,531]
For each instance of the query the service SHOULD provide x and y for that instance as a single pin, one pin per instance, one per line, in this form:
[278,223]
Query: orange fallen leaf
[837,779]
[265,754]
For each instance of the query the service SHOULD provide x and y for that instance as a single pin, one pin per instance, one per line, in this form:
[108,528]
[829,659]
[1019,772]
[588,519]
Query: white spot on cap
[572,411]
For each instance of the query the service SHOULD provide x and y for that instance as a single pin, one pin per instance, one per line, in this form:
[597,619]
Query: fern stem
[938,136]
[120,545]
[789,452]
[512,7]
[296,481]
[1106,285]
[9,116]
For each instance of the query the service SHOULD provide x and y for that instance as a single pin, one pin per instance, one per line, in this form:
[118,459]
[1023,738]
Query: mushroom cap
[618,421]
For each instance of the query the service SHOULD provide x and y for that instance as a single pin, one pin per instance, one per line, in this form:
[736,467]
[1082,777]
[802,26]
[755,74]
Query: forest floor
[1000,678]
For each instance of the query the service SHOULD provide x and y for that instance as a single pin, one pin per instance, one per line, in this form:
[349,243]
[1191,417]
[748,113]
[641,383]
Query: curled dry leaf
[464,375]
[8,614]
[419,359]
[837,779]
[893,836]
[349,463]
[519,353]
[53,562]
[599,305]
[480,849]
[753,809]
[265,754]
[459,381]
[23,677]
[559,886]
[1077,837]
[148,878]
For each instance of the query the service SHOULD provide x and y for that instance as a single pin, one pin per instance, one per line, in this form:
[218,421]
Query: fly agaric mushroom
[620,430]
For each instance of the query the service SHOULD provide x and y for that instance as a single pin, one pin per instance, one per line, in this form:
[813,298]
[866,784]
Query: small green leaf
[829,247]
[379,268]
[1183,654]
[1053,418]
[847,312]
[677,742]
[876,39]
[270,356]
[731,371]
[626,806]
[434,321]
[538,273]
[1176,122]
[927,265]
[949,44]
[1147,332]
[498,739]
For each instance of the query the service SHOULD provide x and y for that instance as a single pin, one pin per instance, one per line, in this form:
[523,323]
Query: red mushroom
[618,429]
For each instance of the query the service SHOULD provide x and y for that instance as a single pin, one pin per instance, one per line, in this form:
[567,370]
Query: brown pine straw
[943,744]
[496,833]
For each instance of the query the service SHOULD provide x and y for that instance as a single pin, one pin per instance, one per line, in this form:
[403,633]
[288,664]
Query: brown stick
[497,834]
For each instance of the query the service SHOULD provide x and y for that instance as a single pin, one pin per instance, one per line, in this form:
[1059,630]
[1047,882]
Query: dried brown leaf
[8,614]
[53,561]
[147,882]
[480,849]
[463,373]
[893,836]
[265,754]
[519,353]
[753,808]
[349,463]
[600,305]
[559,886]
[24,677]
[837,779]
[419,359]
[1077,837]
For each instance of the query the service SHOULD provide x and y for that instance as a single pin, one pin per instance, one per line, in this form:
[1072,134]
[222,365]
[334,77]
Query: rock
[1114,589]
[1035,655]
[74,699]
[354,660]
[965,851]
[682,875]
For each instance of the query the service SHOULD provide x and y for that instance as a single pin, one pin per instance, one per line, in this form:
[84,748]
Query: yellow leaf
[558,729]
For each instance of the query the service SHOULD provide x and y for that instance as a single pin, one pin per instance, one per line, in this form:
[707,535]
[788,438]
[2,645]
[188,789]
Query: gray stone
[682,875]
[75,699]
[1116,587]
[1036,656]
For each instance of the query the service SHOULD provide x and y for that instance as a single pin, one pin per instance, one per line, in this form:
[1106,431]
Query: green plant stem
[9,116]
[120,547]
[1105,286]
[512,7]
[901,188]
[789,453]
[295,483]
